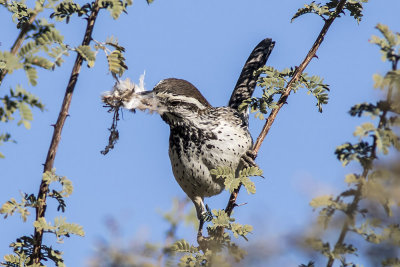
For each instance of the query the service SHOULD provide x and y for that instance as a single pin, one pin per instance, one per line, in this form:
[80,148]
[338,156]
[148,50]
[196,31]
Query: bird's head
[173,98]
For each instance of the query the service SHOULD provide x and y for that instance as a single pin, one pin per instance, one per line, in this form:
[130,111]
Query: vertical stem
[49,164]
[285,95]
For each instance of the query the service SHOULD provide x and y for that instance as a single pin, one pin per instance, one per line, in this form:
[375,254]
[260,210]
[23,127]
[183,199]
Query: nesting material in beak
[131,96]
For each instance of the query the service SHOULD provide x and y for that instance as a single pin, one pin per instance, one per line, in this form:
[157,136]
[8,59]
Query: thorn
[316,56]
[242,204]
[52,125]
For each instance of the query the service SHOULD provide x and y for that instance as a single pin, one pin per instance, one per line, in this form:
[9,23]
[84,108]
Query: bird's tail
[247,80]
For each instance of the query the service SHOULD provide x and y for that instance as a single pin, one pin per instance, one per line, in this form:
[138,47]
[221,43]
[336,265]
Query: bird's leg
[203,214]
[200,231]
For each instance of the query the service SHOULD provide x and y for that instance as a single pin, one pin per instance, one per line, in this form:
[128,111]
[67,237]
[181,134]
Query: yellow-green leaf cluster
[355,7]
[87,53]
[61,228]
[116,7]
[67,188]
[231,182]
[274,83]
[12,206]
[183,246]
[116,62]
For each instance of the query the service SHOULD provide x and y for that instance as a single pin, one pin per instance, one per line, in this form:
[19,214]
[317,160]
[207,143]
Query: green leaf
[64,228]
[87,53]
[10,62]
[39,61]
[318,245]
[66,8]
[12,206]
[67,187]
[31,73]
[116,7]
[251,171]
[61,228]
[41,224]
[116,63]
[321,201]
[364,130]
[183,246]
[221,218]
[351,178]
[249,185]
[26,115]
[241,230]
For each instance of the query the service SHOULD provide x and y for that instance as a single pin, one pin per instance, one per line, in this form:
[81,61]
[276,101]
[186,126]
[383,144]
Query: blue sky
[206,43]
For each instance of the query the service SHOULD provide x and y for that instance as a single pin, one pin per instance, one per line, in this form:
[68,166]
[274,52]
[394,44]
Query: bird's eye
[175,103]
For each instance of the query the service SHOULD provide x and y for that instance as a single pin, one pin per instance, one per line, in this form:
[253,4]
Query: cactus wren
[203,137]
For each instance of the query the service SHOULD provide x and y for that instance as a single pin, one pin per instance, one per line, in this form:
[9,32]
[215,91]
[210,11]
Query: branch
[285,95]
[358,195]
[49,164]
[21,37]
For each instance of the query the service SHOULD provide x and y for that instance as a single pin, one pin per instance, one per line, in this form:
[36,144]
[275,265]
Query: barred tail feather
[247,80]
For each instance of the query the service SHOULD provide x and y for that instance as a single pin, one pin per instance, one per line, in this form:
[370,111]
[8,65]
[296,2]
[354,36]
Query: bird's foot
[248,159]
[206,215]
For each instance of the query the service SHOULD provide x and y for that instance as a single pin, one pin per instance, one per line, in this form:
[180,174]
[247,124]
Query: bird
[203,137]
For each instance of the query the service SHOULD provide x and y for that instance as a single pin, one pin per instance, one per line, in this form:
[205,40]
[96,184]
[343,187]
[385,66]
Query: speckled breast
[216,138]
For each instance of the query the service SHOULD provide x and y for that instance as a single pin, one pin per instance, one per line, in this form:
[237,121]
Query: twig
[48,166]
[21,37]
[285,95]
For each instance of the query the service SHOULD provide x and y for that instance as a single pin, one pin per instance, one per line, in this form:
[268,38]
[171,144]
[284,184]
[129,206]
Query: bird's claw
[248,159]
[207,214]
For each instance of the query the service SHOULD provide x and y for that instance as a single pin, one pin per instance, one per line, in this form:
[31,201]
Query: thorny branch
[49,164]
[299,70]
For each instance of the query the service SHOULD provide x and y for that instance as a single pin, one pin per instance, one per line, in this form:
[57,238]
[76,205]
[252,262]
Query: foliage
[274,84]
[374,186]
[115,58]
[40,45]
[231,182]
[65,9]
[218,248]
[19,100]
[44,48]
[21,12]
[328,10]
[23,246]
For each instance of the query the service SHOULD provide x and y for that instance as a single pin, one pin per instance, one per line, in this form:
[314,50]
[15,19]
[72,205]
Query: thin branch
[21,37]
[49,164]
[358,195]
[271,118]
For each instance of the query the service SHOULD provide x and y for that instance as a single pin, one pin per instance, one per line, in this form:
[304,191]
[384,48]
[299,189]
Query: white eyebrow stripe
[186,99]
